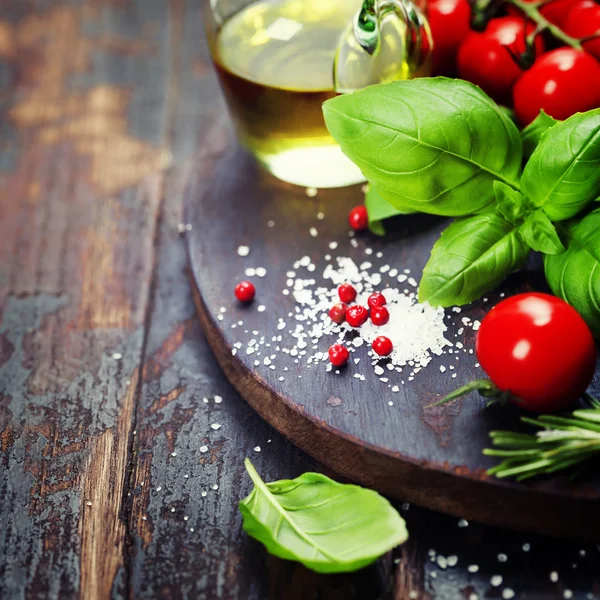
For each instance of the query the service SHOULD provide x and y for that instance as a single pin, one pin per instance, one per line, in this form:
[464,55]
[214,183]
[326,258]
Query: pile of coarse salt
[416,330]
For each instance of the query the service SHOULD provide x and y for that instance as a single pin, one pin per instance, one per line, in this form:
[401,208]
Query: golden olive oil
[275,60]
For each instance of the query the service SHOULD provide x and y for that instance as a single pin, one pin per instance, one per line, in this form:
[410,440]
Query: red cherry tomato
[449,23]
[583,21]
[539,348]
[555,11]
[561,82]
[484,58]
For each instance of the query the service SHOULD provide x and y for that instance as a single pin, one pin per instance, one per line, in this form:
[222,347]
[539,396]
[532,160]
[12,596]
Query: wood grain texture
[430,456]
[81,194]
[92,264]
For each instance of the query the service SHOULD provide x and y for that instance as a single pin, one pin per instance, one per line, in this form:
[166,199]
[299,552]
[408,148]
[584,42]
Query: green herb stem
[562,443]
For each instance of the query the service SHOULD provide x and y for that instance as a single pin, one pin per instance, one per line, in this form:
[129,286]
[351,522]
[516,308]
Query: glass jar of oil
[275,60]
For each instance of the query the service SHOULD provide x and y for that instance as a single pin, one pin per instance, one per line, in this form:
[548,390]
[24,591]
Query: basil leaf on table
[472,257]
[532,134]
[563,174]
[512,205]
[431,145]
[327,526]
[378,210]
[540,235]
[574,275]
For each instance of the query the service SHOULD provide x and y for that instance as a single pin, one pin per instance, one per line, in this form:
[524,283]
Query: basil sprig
[329,527]
[441,146]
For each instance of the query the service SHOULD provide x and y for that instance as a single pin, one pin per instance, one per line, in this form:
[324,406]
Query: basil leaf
[327,526]
[539,233]
[512,205]
[472,257]
[532,134]
[574,275]
[563,174]
[431,145]
[378,210]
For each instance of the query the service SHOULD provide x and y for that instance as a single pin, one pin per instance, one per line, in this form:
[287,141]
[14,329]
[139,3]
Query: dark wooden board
[431,456]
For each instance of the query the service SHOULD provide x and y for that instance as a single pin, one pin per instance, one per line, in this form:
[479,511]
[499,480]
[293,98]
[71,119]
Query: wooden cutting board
[429,456]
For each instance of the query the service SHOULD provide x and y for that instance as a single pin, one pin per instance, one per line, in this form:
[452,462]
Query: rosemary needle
[562,443]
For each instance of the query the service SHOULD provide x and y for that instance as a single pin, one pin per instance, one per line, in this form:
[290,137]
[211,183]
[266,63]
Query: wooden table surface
[107,388]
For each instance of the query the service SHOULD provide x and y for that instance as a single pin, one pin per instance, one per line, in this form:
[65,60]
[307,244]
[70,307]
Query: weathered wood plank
[81,176]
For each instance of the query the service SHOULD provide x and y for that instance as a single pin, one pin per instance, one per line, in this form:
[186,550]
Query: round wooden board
[429,456]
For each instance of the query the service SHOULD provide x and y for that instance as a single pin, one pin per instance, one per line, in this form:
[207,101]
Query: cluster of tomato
[561,81]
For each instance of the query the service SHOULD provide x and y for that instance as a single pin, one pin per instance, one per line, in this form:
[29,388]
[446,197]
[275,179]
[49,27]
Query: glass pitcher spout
[388,40]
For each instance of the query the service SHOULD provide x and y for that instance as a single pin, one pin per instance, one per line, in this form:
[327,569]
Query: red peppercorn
[338,355]
[337,313]
[382,345]
[358,218]
[347,293]
[376,299]
[357,315]
[380,315]
[245,291]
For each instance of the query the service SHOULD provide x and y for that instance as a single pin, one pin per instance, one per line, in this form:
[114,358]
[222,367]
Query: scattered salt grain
[496,580]
[256,448]
[508,594]
[553,576]
[216,426]
[473,568]
[311,192]
[243,250]
[218,399]
[117,356]
[313,232]
[203,449]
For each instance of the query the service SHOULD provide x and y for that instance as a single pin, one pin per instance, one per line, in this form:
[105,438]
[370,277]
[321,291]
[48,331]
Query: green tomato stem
[531,10]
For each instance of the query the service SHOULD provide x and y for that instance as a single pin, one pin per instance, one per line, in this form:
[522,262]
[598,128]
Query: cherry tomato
[555,11]
[449,23]
[483,58]
[539,348]
[583,21]
[561,82]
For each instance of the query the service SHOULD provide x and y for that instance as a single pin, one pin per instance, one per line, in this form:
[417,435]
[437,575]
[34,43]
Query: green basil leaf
[512,205]
[327,526]
[431,145]
[574,275]
[472,257]
[539,233]
[563,174]
[379,209]
[532,134]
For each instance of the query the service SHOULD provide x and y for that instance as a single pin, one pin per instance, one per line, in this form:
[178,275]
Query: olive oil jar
[279,60]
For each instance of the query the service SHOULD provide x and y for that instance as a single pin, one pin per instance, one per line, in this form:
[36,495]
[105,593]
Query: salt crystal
[313,232]
[496,580]
[243,250]
[311,192]
[203,449]
[216,426]
[256,448]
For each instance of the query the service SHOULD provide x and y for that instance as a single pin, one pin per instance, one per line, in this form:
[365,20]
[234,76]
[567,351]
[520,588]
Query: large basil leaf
[472,257]
[327,526]
[563,173]
[574,275]
[532,134]
[431,145]
[379,209]
[540,235]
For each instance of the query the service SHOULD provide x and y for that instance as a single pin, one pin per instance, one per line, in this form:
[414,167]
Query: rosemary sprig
[563,442]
